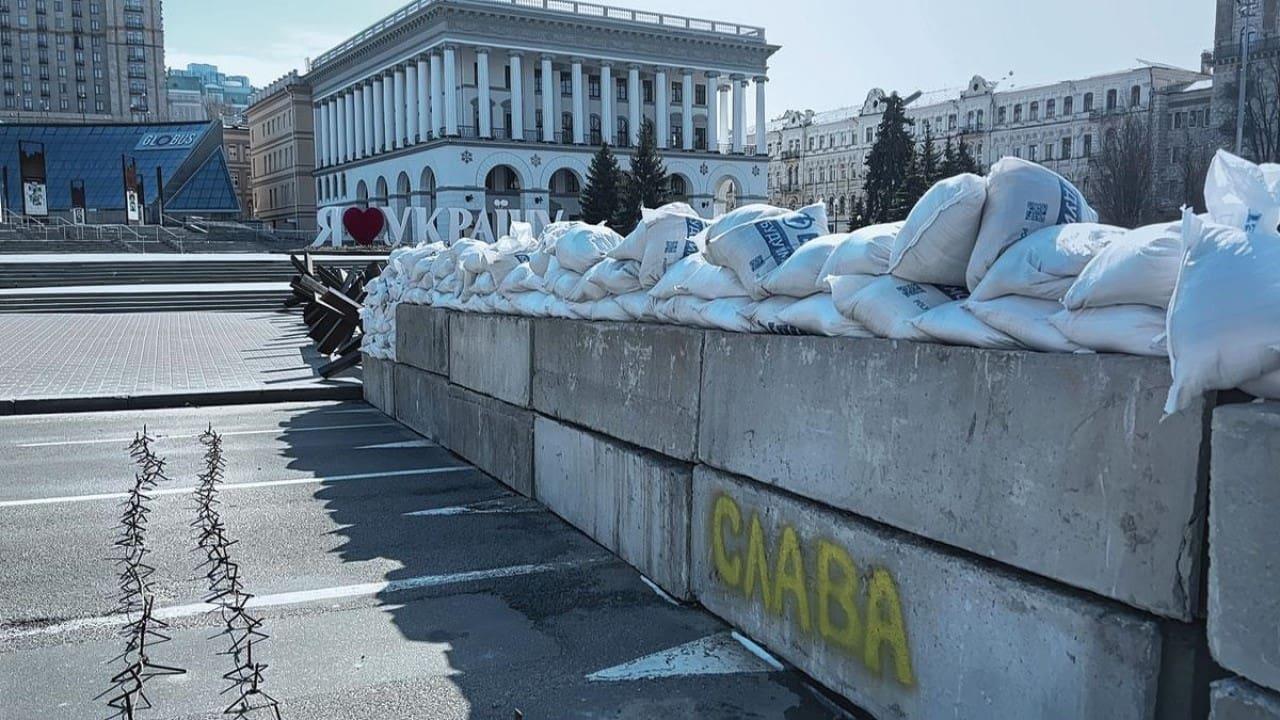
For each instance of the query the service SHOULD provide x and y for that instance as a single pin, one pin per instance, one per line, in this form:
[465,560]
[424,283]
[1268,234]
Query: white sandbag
[1046,263]
[743,216]
[681,310]
[614,277]
[764,314]
[520,279]
[755,250]
[607,309]
[695,276]
[552,233]
[667,244]
[1224,320]
[668,221]
[585,291]
[801,275]
[1241,194]
[865,251]
[727,314]
[639,305]
[1022,197]
[887,305]
[844,288]
[952,323]
[818,316]
[564,283]
[937,240]
[531,304]
[484,285]
[676,280]
[540,262]
[1139,267]
[1127,329]
[1026,320]
[585,245]
[1268,386]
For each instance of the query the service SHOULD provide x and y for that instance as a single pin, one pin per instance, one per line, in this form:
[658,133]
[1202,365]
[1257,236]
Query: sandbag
[583,245]
[520,279]
[844,288]
[755,250]
[681,310]
[764,314]
[639,305]
[1224,319]
[937,240]
[615,277]
[607,309]
[1022,197]
[744,215]
[865,251]
[1026,320]
[887,305]
[1139,267]
[1268,387]
[1128,329]
[952,323]
[1242,195]
[695,276]
[1047,262]
[669,217]
[801,274]
[728,314]
[817,315]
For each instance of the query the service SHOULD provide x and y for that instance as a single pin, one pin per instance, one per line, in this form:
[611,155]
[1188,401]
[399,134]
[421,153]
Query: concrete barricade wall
[492,435]
[492,355]
[1236,699]
[634,502]
[378,380]
[422,403]
[905,629]
[422,338]
[639,383]
[1244,544]
[1057,464]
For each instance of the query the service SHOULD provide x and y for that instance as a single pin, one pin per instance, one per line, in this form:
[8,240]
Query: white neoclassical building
[489,105]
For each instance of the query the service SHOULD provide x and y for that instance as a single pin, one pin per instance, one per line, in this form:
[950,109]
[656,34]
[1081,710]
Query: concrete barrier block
[492,355]
[1244,547]
[639,383]
[906,629]
[492,435]
[422,337]
[1057,464]
[378,379]
[422,402]
[1237,699]
[632,501]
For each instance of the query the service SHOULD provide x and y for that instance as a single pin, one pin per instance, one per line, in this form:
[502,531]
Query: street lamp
[1247,10]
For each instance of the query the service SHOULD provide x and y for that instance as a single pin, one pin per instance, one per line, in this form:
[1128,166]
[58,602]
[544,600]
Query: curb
[256,396]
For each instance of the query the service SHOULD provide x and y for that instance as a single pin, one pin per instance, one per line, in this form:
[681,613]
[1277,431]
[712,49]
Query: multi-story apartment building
[822,156]
[202,92]
[82,61]
[236,146]
[282,154]
[482,106]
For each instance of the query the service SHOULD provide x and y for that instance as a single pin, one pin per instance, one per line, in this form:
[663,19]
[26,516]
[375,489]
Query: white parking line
[281,430]
[305,596]
[233,486]
[501,506]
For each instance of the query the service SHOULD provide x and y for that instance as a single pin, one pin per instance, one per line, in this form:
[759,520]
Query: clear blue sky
[833,51]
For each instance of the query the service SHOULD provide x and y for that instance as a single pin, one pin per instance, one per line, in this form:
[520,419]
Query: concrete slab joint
[492,355]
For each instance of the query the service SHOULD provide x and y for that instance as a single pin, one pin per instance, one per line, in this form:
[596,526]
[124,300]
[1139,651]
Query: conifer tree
[647,184]
[913,187]
[857,214]
[601,197]
[950,160]
[965,161]
[887,163]
[930,159]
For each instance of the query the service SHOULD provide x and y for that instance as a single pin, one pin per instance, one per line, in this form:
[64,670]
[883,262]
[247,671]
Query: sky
[832,51]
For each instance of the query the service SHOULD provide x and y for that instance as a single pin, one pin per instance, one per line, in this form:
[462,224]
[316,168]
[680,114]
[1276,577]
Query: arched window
[1088,102]
[624,133]
[595,130]
[1112,100]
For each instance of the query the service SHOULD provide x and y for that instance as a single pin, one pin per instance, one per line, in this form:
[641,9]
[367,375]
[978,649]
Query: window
[1178,119]
[1193,119]
[621,84]
[1017,113]
[537,80]
[1111,100]
[1088,102]
[871,135]
[566,84]
[1068,105]
[1088,146]
[1048,151]
[647,86]
[1032,152]
[1066,148]
[951,122]
[1035,111]
[624,135]
[593,87]
[677,92]
[1135,96]
[1001,115]
[980,119]
[699,95]
[1050,108]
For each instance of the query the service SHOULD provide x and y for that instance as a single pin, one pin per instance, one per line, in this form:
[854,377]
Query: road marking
[500,506]
[756,650]
[282,431]
[298,597]
[719,654]
[233,486]
[659,591]
[405,444]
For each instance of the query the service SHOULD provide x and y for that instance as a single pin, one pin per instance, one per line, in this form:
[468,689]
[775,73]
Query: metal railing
[568,7]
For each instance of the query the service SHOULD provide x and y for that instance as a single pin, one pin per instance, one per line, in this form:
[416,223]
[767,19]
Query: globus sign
[415,226]
[167,141]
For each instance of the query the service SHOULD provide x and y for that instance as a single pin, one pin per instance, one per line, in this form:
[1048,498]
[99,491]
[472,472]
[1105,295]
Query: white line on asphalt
[394,445]
[717,654]
[659,591]
[233,486]
[487,507]
[305,596]
[282,431]
[757,650]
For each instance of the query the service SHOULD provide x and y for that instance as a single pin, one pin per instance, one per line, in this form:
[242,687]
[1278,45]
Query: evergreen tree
[601,197]
[930,159]
[950,160]
[965,161]
[887,163]
[647,184]
[913,187]
[857,214]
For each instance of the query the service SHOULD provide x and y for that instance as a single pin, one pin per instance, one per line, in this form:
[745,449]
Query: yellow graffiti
[865,633]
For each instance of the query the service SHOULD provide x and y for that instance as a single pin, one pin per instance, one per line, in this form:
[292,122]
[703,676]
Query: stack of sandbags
[378,313]
[664,237]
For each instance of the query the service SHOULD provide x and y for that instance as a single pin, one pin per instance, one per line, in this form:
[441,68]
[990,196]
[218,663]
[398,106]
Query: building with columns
[491,105]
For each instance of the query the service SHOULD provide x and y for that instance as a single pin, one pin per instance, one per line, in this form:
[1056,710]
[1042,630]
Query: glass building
[183,163]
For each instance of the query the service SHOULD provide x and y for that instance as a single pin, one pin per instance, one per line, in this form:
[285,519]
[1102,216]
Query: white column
[635,97]
[762,136]
[331,130]
[483,100]
[322,136]
[370,135]
[389,112]
[739,113]
[517,97]
[350,106]
[411,103]
[608,123]
[686,109]
[450,90]
[437,96]
[424,100]
[548,101]
[397,103]
[726,117]
[341,109]
[713,112]
[579,103]
[663,113]
[379,124]
[359,115]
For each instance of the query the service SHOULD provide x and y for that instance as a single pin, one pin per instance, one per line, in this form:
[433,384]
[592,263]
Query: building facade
[82,61]
[485,106]
[236,146]
[823,156]
[201,92]
[282,152]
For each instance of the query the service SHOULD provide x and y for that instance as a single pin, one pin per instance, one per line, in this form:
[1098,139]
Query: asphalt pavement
[395,581]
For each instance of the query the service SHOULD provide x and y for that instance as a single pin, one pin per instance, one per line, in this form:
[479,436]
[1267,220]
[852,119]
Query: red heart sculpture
[364,224]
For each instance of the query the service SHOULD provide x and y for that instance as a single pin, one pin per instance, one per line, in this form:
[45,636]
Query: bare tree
[1125,173]
[1261,111]
[1192,170]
